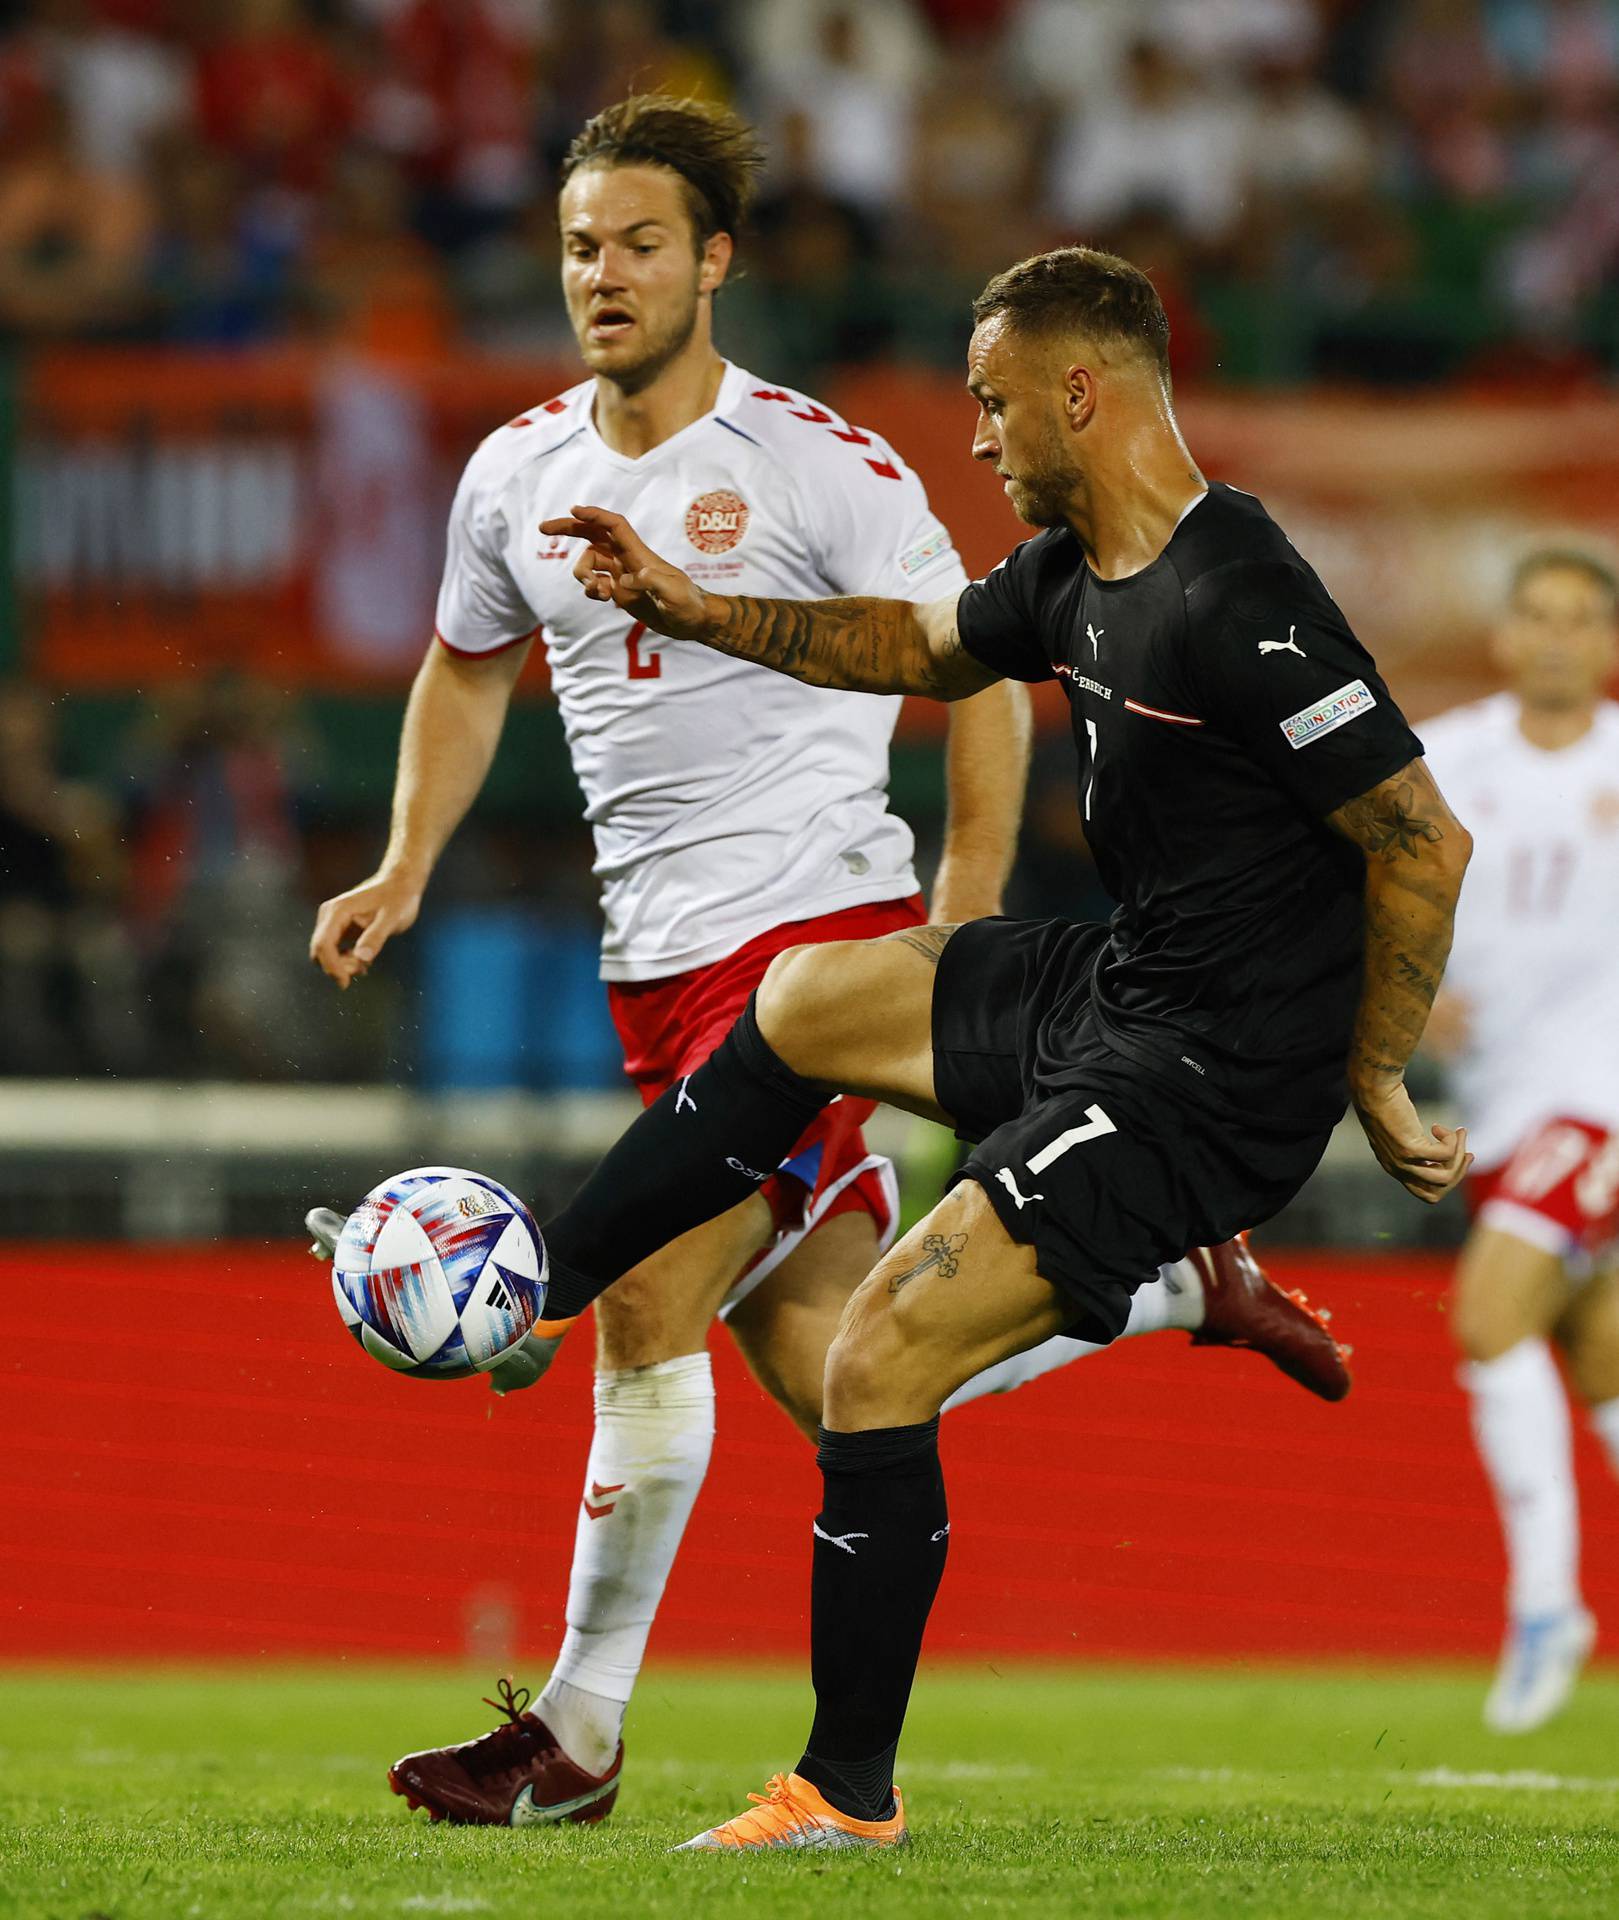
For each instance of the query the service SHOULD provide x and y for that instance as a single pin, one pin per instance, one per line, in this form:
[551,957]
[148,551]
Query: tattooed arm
[872,646]
[1416,852]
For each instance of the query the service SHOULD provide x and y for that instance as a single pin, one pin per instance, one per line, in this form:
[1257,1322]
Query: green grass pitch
[1185,1792]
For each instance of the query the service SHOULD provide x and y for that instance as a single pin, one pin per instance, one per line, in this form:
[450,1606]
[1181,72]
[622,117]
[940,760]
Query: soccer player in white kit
[736,812]
[1528,1022]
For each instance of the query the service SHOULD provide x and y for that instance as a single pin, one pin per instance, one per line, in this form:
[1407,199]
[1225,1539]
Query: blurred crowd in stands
[151,918]
[1379,189]
[159,869]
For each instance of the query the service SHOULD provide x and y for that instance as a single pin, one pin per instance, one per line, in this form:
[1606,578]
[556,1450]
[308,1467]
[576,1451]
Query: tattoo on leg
[938,1250]
[930,942]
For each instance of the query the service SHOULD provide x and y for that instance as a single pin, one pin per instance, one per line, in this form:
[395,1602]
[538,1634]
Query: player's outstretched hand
[1427,1164]
[617,565]
[352,928]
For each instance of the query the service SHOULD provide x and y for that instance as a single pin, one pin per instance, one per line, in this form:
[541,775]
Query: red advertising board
[219,1471]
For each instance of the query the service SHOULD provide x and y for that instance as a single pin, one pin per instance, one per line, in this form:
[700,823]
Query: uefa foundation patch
[924,553]
[1337,710]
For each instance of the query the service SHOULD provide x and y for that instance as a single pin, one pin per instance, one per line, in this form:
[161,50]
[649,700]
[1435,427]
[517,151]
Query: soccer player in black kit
[1286,871]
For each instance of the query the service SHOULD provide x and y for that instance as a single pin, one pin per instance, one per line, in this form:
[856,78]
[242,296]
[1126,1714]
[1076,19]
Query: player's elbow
[1440,861]
[1454,851]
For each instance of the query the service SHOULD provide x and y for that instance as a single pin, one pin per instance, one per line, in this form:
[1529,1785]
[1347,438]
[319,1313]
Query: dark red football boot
[1243,1307]
[516,1776]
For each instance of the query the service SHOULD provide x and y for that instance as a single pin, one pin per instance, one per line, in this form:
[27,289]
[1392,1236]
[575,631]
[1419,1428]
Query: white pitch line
[1523,1780]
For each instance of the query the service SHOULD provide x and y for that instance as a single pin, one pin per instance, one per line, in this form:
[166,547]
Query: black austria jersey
[1222,708]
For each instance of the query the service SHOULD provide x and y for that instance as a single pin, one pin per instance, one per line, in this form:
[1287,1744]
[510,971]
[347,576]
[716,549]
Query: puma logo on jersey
[1289,645]
[1004,1175]
[1093,634]
[837,1539]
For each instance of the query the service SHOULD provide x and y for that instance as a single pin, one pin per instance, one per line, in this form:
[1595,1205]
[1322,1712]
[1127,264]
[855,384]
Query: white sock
[1174,1299]
[1605,1419]
[1521,1425]
[654,1433]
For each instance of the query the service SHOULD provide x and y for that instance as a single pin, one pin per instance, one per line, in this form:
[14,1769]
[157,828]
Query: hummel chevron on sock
[696,1152]
[654,1433]
[880,1544]
[1521,1424]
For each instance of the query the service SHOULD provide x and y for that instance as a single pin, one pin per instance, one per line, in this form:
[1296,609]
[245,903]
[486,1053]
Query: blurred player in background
[737,813]
[1529,1023]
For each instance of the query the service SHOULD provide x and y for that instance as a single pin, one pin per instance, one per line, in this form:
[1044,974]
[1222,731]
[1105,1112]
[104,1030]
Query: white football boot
[326,1224]
[1540,1662]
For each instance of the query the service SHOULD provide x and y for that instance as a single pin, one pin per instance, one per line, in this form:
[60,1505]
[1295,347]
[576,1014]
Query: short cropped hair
[1577,560]
[717,155]
[1081,290]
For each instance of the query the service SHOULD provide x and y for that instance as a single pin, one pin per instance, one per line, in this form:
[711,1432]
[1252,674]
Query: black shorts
[1105,1169]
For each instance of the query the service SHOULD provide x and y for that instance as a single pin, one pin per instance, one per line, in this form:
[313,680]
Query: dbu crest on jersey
[716,522]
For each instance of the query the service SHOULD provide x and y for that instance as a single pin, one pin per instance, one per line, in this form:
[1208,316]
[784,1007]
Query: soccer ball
[439,1273]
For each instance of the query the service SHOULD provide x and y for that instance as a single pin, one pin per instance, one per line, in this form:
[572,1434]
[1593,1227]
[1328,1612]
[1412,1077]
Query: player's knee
[793,999]
[1481,1328]
[870,1364]
[638,1325]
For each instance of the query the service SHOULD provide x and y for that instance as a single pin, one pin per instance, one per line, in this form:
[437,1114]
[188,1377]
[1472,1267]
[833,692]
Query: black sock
[880,1543]
[699,1150]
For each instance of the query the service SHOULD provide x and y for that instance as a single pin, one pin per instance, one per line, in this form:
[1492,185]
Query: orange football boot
[792,1813]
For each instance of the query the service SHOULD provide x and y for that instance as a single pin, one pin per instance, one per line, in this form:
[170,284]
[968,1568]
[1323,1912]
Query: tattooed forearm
[872,646]
[1414,974]
[930,942]
[938,1250]
[1388,821]
[1416,853]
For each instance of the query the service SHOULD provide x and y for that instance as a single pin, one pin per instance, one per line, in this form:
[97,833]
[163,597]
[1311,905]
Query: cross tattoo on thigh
[938,1250]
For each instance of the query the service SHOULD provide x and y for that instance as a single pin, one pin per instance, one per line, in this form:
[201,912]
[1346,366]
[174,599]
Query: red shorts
[669,1027]
[1559,1191]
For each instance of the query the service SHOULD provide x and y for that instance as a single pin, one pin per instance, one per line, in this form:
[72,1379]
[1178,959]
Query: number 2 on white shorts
[1096,1124]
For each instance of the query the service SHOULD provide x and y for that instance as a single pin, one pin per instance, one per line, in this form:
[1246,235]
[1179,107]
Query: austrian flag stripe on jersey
[1158,713]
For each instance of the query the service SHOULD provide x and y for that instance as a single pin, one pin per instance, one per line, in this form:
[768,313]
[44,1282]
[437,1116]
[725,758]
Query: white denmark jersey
[1537,928]
[726,799]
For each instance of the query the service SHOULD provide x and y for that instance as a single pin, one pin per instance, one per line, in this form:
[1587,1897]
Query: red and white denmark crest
[715,522]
